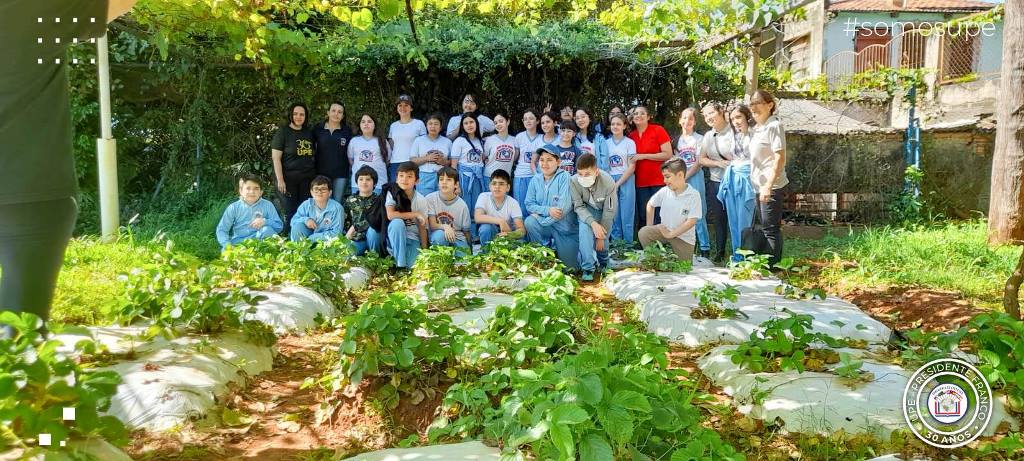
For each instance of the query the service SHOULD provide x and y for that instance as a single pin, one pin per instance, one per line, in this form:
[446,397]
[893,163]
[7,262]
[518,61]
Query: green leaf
[991,357]
[388,9]
[234,418]
[362,19]
[631,400]
[568,414]
[591,389]
[561,436]
[593,447]
[405,357]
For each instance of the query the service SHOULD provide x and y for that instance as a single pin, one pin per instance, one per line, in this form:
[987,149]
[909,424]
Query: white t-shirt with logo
[508,211]
[527,146]
[419,203]
[677,208]
[403,135]
[688,148]
[468,153]
[586,145]
[500,154]
[424,146]
[619,153]
[486,125]
[364,151]
[454,213]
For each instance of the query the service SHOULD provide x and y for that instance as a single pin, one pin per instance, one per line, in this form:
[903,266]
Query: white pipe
[106,150]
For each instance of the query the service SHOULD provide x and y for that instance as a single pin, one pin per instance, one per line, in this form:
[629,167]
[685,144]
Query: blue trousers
[471,180]
[589,256]
[622,229]
[404,249]
[392,172]
[359,247]
[428,183]
[300,233]
[643,195]
[261,234]
[519,188]
[567,245]
[703,237]
[487,232]
[437,239]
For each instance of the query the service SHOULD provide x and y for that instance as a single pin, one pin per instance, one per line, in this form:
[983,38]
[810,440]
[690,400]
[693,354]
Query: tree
[1006,207]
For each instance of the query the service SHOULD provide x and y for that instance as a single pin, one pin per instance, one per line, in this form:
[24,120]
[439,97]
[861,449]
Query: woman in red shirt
[653,146]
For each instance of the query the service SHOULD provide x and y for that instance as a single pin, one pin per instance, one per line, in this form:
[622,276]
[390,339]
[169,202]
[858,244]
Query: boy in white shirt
[680,211]
[498,213]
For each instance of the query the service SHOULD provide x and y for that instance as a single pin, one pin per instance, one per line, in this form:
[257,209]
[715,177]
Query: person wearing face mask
[595,201]
[469,106]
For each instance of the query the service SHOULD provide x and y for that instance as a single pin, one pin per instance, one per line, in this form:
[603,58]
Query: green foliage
[172,295]
[998,340]
[37,382]
[434,262]
[540,323]
[381,338]
[261,264]
[612,400]
[789,270]
[785,344]
[446,294]
[658,257]
[886,80]
[374,263]
[511,257]
[710,299]
[753,266]
[908,207]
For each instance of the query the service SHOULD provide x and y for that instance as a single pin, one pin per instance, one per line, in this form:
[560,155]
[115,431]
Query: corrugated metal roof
[953,6]
[806,116]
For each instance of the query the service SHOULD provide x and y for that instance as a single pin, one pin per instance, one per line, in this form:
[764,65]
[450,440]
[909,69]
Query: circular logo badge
[947,403]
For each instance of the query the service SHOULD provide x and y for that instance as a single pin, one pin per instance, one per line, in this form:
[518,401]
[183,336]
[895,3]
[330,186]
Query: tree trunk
[1011,291]
[1006,205]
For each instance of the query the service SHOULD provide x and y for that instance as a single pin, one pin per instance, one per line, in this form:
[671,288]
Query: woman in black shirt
[331,140]
[294,164]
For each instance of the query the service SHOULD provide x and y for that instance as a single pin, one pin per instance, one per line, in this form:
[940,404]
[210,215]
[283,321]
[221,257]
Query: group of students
[564,181]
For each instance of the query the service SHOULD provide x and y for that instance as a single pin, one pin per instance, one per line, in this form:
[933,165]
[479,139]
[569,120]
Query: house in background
[842,38]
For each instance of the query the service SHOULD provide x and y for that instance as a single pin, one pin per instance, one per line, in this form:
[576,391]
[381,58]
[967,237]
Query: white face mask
[586,181]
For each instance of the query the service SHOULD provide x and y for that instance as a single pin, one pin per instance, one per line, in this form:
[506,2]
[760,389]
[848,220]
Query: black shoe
[704,254]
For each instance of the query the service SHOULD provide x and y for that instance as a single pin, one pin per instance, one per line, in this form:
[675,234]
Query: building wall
[991,50]
[838,39]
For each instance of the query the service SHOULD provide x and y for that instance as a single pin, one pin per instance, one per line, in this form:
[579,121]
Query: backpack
[377,214]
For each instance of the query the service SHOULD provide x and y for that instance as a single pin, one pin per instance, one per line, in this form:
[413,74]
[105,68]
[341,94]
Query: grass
[951,256]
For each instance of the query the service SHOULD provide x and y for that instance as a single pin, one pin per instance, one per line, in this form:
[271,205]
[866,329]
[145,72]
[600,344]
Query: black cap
[404,98]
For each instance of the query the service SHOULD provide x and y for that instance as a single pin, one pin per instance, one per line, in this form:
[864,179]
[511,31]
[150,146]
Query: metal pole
[106,149]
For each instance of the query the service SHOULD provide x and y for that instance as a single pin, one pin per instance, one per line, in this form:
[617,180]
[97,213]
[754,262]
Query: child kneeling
[363,237]
[595,199]
[680,210]
[550,207]
[319,217]
[448,213]
[251,217]
[407,217]
[498,213]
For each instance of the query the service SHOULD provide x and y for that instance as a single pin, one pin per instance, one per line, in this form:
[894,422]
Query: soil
[904,308]
[284,416]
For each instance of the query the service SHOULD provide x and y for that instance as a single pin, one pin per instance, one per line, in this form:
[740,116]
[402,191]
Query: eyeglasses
[321,189]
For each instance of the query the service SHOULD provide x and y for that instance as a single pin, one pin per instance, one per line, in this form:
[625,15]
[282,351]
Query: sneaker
[588,276]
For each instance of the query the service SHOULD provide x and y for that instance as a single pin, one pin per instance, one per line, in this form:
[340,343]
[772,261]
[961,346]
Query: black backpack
[377,214]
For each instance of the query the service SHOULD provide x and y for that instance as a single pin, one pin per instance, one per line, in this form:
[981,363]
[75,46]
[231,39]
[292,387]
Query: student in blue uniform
[549,203]
[319,217]
[251,217]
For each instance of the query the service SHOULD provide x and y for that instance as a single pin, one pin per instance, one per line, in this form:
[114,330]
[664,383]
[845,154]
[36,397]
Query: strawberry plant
[710,299]
[510,257]
[261,264]
[785,344]
[658,257]
[753,266]
[435,262]
[171,296]
[37,382]
[446,294]
[998,340]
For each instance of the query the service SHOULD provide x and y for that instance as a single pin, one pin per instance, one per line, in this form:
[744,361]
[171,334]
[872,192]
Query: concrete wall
[957,169]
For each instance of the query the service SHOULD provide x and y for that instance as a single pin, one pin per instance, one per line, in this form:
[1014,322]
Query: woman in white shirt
[431,152]
[527,142]
[716,151]
[768,168]
[402,133]
[736,190]
[499,148]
